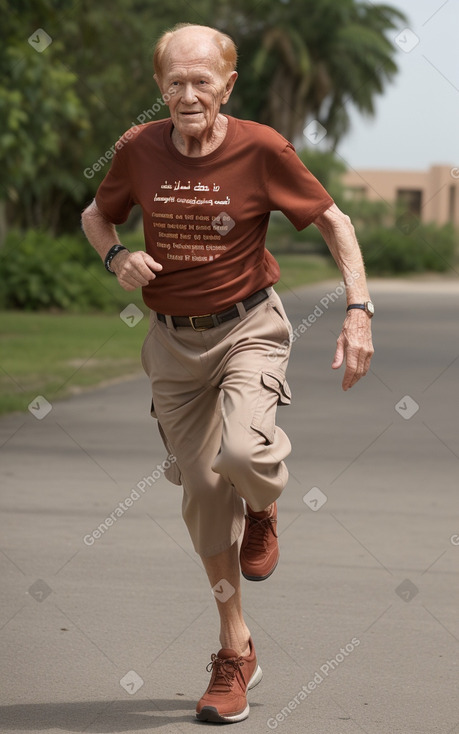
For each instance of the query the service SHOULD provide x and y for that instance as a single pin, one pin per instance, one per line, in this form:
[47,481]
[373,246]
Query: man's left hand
[355,347]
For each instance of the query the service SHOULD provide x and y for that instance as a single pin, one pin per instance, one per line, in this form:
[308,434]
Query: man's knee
[255,467]
[248,453]
[236,455]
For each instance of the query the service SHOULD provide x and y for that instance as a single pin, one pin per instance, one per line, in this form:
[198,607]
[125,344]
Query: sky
[417,118]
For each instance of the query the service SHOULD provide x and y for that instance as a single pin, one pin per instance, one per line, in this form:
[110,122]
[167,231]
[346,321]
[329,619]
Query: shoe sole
[260,578]
[210,713]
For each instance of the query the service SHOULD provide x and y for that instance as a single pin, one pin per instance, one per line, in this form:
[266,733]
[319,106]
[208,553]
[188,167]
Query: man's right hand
[134,269]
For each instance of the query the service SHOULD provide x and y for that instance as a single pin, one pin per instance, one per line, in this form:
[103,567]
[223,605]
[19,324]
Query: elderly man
[218,343]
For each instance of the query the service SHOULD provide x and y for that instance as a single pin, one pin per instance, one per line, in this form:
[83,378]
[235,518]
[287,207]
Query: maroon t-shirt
[205,218]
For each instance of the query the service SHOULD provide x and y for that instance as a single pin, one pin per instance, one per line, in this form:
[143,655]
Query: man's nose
[189,94]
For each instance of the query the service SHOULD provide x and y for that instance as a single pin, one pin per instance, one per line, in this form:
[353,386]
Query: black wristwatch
[368,307]
[111,254]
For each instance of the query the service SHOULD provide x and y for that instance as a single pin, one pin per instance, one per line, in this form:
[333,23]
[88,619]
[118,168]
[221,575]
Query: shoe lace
[259,530]
[225,672]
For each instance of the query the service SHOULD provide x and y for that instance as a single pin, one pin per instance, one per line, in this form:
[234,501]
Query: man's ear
[164,94]
[229,86]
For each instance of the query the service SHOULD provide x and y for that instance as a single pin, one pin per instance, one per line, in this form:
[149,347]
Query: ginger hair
[225,44]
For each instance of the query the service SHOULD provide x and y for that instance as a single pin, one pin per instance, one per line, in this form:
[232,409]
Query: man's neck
[198,147]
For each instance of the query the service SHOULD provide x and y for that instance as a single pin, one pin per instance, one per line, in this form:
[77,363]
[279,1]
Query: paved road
[358,629]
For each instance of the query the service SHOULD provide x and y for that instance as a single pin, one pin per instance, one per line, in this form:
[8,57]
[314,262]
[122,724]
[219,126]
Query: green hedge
[404,247]
[38,272]
[408,247]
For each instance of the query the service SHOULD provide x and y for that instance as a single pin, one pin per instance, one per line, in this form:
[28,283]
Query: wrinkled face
[194,83]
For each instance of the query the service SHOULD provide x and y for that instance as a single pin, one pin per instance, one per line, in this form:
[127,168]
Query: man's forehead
[196,65]
[200,48]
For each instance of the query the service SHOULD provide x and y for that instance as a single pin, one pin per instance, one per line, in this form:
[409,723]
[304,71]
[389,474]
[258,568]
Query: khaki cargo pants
[215,395]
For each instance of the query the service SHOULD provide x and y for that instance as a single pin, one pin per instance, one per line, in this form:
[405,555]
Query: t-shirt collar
[204,159]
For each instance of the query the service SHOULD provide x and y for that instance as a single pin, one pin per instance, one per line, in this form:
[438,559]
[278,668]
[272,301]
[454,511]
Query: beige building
[431,195]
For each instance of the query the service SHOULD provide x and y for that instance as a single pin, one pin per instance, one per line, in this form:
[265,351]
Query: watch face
[370,307]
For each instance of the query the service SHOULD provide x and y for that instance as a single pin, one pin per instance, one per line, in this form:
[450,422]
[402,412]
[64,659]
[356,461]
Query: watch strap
[356,305]
[111,254]
[368,307]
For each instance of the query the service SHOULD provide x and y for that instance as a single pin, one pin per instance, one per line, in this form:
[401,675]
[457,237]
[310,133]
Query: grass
[56,355]
[298,270]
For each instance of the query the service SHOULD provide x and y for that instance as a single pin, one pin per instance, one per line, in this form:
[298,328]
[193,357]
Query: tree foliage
[314,59]
[62,107]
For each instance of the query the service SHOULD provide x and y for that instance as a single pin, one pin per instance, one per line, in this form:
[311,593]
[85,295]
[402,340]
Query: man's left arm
[354,344]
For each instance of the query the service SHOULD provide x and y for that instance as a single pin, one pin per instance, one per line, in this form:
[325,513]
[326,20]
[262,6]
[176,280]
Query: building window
[452,204]
[356,193]
[410,200]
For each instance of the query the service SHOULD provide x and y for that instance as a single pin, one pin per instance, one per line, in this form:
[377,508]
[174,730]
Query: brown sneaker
[225,700]
[260,548]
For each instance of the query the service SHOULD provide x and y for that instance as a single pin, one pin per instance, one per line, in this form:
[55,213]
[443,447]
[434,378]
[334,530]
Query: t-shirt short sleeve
[114,197]
[293,190]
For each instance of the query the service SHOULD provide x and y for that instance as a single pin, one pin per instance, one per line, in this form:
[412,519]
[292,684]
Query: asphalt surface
[357,630]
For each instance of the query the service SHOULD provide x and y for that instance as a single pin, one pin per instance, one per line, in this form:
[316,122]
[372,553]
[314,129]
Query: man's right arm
[133,269]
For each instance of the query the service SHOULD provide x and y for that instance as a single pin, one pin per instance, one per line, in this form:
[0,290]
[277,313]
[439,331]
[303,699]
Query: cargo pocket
[171,472]
[274,391]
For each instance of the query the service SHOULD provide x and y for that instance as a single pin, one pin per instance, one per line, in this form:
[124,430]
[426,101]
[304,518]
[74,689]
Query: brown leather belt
[209,320]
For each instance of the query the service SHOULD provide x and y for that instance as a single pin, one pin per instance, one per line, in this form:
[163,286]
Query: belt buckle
[202,316]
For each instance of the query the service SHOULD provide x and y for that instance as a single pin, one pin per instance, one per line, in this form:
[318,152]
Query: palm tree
[313,59]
